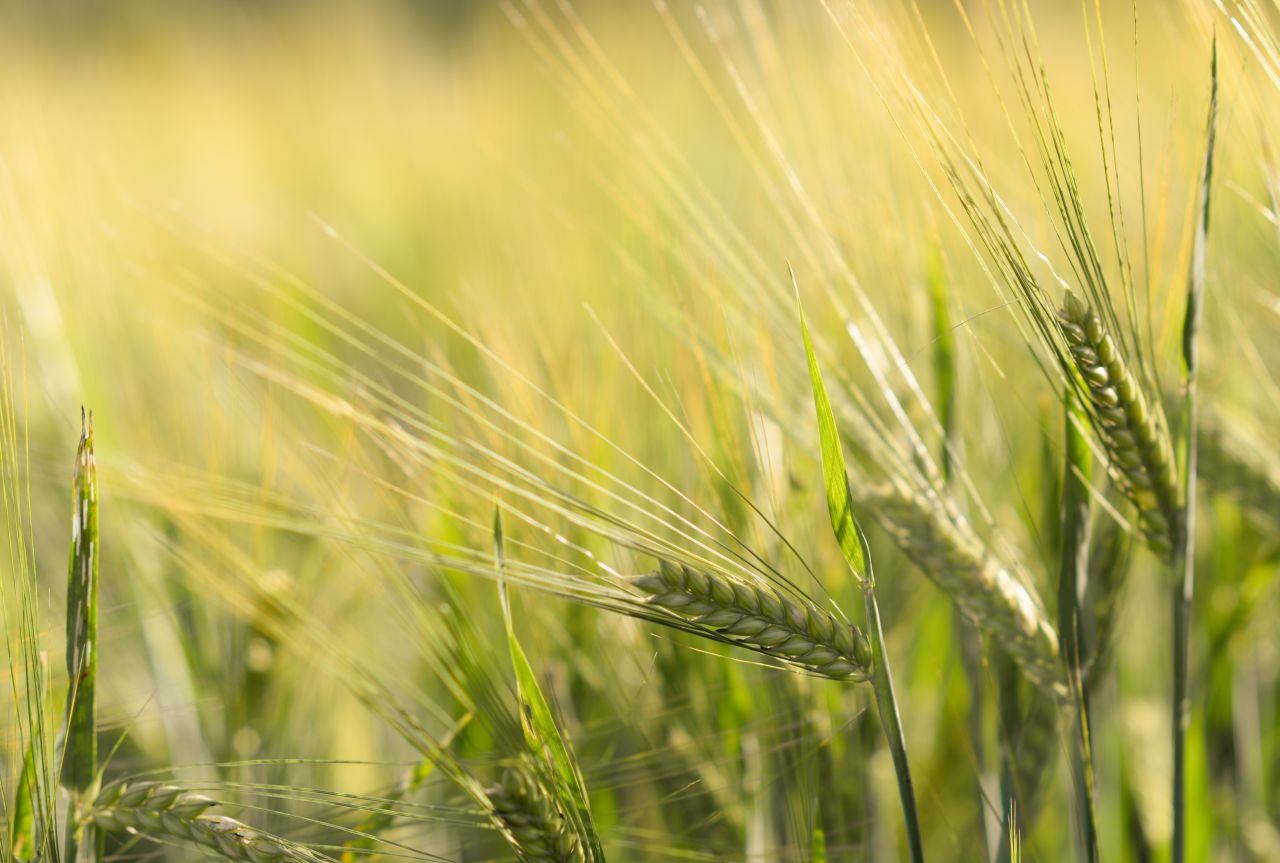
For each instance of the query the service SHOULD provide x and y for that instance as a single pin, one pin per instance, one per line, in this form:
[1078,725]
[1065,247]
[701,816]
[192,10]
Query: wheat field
[581,430]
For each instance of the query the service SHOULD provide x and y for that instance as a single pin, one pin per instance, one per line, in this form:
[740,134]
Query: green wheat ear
[80,756]
[534,817]
[757,617]
[167,813]
[1135,440]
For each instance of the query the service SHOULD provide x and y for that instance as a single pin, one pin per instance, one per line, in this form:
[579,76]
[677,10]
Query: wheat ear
[532,819]
[166,812]
[793,630]
[940,541]
[1136,442]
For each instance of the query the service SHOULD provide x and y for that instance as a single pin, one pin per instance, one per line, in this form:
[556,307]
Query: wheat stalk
[941,542]
[166,812]
[1136,442]
[758,617]
[532,819]
[80,752]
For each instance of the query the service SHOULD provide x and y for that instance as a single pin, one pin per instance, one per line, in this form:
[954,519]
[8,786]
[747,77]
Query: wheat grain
[1135,440]
[755,616]
[532,819]
[166,812]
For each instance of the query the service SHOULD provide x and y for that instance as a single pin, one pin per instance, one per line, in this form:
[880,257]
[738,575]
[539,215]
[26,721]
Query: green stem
[1185,552]
[1072,582]
[1183,594]
[80,754]
[891,723]
[1009,716]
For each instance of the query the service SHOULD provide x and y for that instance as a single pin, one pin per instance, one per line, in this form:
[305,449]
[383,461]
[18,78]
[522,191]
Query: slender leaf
[22,821]
[854,545]
[835,476]
[542,734]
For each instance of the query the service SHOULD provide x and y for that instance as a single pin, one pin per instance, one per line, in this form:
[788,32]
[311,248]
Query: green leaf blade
[835,476]
[542,734]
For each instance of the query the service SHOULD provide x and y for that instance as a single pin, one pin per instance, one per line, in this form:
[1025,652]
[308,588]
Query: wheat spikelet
[1136,442]
[532,819]
[793,630]
[166,812]
[941,543]
[1232,462]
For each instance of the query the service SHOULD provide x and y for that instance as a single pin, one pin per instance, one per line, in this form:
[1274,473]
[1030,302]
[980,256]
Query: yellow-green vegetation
[976,558]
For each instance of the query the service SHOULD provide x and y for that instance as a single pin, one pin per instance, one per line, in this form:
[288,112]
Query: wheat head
[1136,442]
[940,541]
[166,813]
[793,630]
[532,819]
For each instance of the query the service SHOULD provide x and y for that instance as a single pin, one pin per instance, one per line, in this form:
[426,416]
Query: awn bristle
[1136,443]
[532,819]
[166,812]
[941,542]
[793,630]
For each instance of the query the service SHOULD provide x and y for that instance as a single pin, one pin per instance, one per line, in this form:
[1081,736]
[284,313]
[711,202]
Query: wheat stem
[891,723]
[80,755]
[1073,579]
[1185,543]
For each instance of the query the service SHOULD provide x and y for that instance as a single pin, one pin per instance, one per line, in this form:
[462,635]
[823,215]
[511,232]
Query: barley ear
[790,629]
[942,544]
[532,818]
[80,753]
[1136,441]
[167,813]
